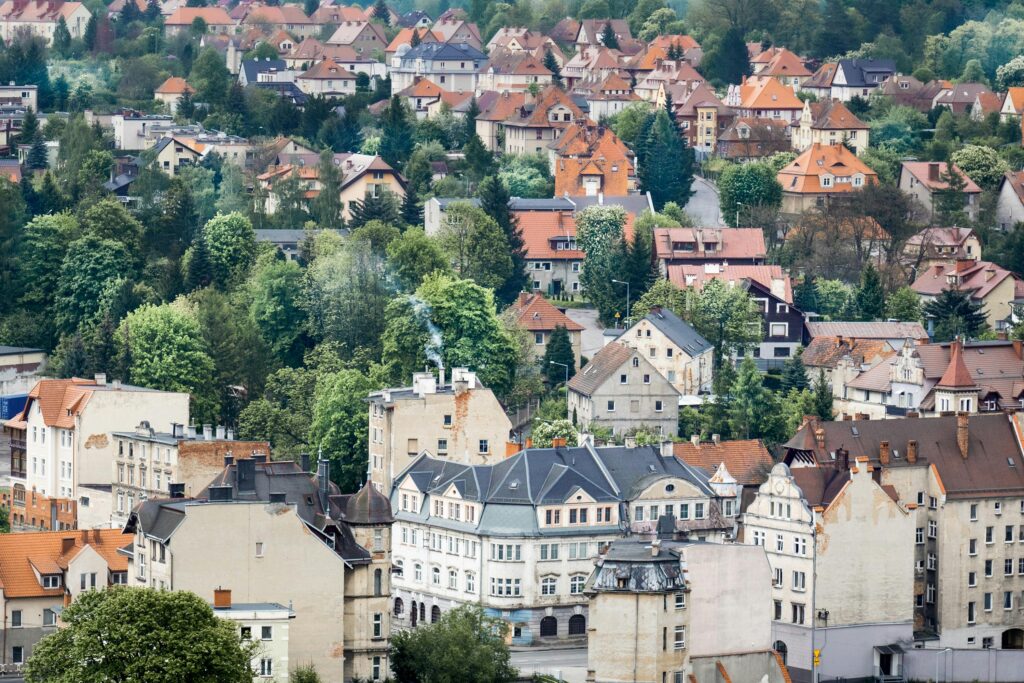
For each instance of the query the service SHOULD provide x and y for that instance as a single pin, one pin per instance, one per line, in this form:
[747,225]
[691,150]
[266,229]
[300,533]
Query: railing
[896,411]
[20,444]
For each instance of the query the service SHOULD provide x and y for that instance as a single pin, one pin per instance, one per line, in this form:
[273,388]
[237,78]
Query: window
[972,579]
[800,546]
[453,579]
[988,602]
[972,547]
[576,584]
[988,535]
[435,576]
[378,625]
[971,616]
[679,641]
[418,572]
[16,618]
[1009,533]
[259,549]
[538,338]
[611,406]
[997,506]
[658,406]
[1008,567]
[797,613]
[485,447]
[933,528]
[988,568]
[267,633]
[778,610]
[470,582]
[376,669]
[919,535]
[777,577]
[647,379]
[680,600]
[799,581]
[17,654]
[1007,599]
[447,420]
[53,580]
[266,666]
[623,379]
[49,617]
[548,585]
[758,537]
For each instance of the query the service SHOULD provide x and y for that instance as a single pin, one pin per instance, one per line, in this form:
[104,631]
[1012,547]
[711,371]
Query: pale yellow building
[674,348]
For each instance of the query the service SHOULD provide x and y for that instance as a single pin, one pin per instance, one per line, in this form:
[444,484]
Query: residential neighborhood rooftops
[827,351]
[213,16]
[868,330]
[932,174]
[748,460]
[817,169]
[723,244]
[24,557]
[679,332]
[535,313]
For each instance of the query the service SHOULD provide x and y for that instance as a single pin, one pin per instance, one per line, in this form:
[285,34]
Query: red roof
[956,376]
[535,313]
[541,230]
[731,243]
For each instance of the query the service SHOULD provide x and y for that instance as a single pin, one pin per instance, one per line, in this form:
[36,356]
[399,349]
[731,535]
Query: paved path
[593,333]
[703,205]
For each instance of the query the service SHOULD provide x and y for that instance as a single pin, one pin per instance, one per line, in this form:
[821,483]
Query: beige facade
[267,624]
[690,372]
[461,420]
[75,15]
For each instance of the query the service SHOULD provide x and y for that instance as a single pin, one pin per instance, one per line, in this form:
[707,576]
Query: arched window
[577,625]
[435,576]
[418,572]
[636,362]
[435,614]
[398,607]
[781,648]
[423,611]
[413,614]
[548,627]
[378,579]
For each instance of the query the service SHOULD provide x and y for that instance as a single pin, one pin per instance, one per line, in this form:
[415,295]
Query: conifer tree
[551,64]
[479,161]
[38,157]
[870,297]
[62,38]
[559,350]
[667,171]
[29,127]
[396,142]
[823,397]
[728,61]
[381,13]
[383,207]
[494,200]
[199,273]
[470,121]
[327,206]
[608,37]
[794,374]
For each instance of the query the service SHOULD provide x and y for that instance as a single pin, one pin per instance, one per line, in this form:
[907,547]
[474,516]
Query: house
[816,523]
[458,420]
[932,379]
[785,67]
[269,622]
[362,36]
[513,71]
[215,18]
[553,260]
[565,31]
[820,82]
[335,15]
[171,91]
[925,181]
[421,95]
[405,38]
[992,286]
[907,91]
[961,97]
[495,107]
[458,31]
[362,175]
[588,159]
[829,123]
[415,19]
[453,66]
[19,368]
[591,31]
[823,354]
[591,65]
[651,602]
[520,536]
[171,153]
[1010,203]
[540,318]
[61,440]
[752,139]
[940,246]
[771,291]
[859,77]
[621,390]
[148,462]
[40,18]
[289,18]
[674,348]
[765,98]
[609,97]
[966,475]
[327,78]
[19,96]
[521,39]
[819,175]
[666,74]
[986,103]
[702,117]
[540,121]
[41,573]
[697,246]
[264,70]
[260,516]
[748,461]
[310,51]
[1013,104]
[891,331]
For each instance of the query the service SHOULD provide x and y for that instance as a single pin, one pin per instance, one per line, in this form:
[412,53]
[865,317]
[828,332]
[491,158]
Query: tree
[230,242]
[465,645]
[231,195]
[599,233]
[551,64]
[283,414]
[168,353]
[608,37]
[61,39]
[544,433]
[754,413]
[981,164]
[667,168]
[955,314]
[794,374]
[38,156]
[904,304]
[381,13]
[339,426]
[494,200]
[396,142]
[744,187]
[728,318]
[209,76]
[728,60]
[475,245]
[948,202]
[143,634]
[327,205]
[274,294]
[870,296]
[383,207]
[43,246]
[414,256]
[558,355]
[479,161]
[341,133]
[306,673]
[823,397]
[663,294]
[472,111]
[90,264]
[1011,74]
[29,127]
[973,72]
[176,227]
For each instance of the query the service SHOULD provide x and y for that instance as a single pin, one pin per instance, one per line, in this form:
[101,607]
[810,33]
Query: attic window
[853,430]
[1010,462]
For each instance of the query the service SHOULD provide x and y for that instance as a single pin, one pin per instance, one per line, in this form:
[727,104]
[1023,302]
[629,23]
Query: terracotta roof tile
[957,376]
[731,243]
[535,313]
[175,85]
[213,16]
[766,93]
[59,401]
[48,552]
[746,459]
[770,277]
[805,173]
[825,352]
[930,174]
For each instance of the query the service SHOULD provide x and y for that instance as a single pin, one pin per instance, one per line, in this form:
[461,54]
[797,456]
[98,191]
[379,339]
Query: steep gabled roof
[48,552]
[535,313]
[601,367]
[804,174]
[956,376]
[748,460]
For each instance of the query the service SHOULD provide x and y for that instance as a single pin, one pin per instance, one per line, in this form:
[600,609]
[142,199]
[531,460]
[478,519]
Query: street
[592,337]
[569,664]
[703,205]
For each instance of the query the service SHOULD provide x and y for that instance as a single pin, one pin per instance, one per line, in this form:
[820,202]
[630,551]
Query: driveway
[703,205]
[592,338]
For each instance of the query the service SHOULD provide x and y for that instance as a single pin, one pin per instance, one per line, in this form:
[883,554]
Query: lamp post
[738,205]
[623,282]
[555,362]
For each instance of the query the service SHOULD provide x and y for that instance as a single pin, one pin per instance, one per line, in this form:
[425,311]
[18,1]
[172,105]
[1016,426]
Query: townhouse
[457,31]
[540,121]
[459,420]
[41,573]
[995,288]
[620,390]
[907,91]
[823,354]
[752,139]
[61,440]
[664,76]
[929,181]
[266,622]
[609,97]
[452,66]
[365,37]
[966,475]
[697,246]
[817,524]
[172,91]
[747,461]
[289,18]
[19,96]
[676,350]
[702,117]
[260,516]
[961,98]
[1013,104]
[540,318]
[783,66]
[40,18]
[327,78]
[859,77]
[519,537]
[820,175]
[764,97]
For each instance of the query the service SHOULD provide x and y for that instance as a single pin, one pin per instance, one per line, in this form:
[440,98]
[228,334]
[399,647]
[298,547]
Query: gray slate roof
[603,365]
[679,331]
[435,51]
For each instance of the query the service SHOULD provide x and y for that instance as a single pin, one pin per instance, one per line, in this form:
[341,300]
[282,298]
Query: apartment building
[674,611]
[461,421]
[966,475]
[61,439]
[260,516]
[519,536]
[41,573]
[453,66]
[265,622]
[818,524]
[676,350]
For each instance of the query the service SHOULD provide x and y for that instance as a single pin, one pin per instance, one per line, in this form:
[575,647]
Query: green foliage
[230,242]
[728,318]
[870,296]
[665,167]
[981,164]
[665,295]
[904,304]
[396,141]
[956,315]
[833,298]
[44,244]
[283,414]
[143,634]
[414,256]
[479,162]
[339,425]
[1011,74]
[465,645]
[742,187]
[822,397]
[494,200]
[545,432]
[794,374]
[599,233]
[327,205]
[475,245]
[754,412]
[727,59]
[628,123]
[89,265]
[274,294]
[558,357]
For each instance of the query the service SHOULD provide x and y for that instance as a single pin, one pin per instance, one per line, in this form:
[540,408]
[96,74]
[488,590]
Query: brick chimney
[912,451]
[962,433]
[933,171]
[883,452]
[819,437]
[843,459]
[1018,348]
[558,443]
[221,598]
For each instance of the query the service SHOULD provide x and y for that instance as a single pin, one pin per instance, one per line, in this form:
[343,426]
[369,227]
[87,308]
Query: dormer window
[51,581]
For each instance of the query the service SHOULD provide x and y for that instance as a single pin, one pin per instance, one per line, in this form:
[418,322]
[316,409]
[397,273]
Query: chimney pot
[208,432]
[716,438]
[912,451]
[962,433]
[220,432]
[100,378]
[695,440]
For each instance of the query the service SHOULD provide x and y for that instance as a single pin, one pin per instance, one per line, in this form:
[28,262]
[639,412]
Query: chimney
[558,443]
[176,430]
[695,440]
[843,459]
[304,462]
[962,433]
[66,544]
[323,473]
[1018,348]
[716,438]
[912,451]
[228,460]
[220,432]
[933,172]
[259,458]
[100,378]
[208,432]
[883,452]
[229,434]
[192,431]
[177,490]
[245,475]
[655,547]
[221,598]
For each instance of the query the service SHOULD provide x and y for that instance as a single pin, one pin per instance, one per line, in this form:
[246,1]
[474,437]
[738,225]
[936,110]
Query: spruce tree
[178,222]
[823,397]
[667,170]
[102,346]
[382,208]
[479,161]
[794,374]
[472,111]
[551,64]
[956,315]
[870,297]
[38,158]
[728,61]
[199,273]
[327,205]
[559,350]
[412,211]
[396,142]
[74,361]
[381,13]
[186,108]
[494,200]
[152,12]
[61,38]
[29,194]
[608,37]
[805,295]
[29,127]
[415,40]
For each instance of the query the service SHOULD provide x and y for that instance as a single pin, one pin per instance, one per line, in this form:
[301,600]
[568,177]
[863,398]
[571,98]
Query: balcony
[896,411]
[18,444]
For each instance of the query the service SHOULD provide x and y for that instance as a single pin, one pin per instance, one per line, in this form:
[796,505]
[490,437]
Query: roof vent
[514,484]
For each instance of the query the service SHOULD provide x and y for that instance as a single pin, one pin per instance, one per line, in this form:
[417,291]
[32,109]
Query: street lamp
[941,656]
[738,205]
[555,362]
[623,282]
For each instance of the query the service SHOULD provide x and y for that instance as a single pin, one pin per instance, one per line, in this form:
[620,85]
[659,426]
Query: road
[592,338]
[568,663]
[703,205]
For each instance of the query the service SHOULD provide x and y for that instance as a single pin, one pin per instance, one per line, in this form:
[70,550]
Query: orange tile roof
[539,228]
[404,37]
[37,10]
[283,14]
[825,352]
[747,460]
[822,78]
[501,105]
[175,85]
[423,87]
[956,376]
[921,170]
[552,96]
[649,59]
[785,63]
[213,16]
[47,550]
[1016,97]
[731,243]
[585,148]
[59,401]
[535,313]
[764,92]
[804,174]
[834,115]
[697,275]
[686,42]
[327,69]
